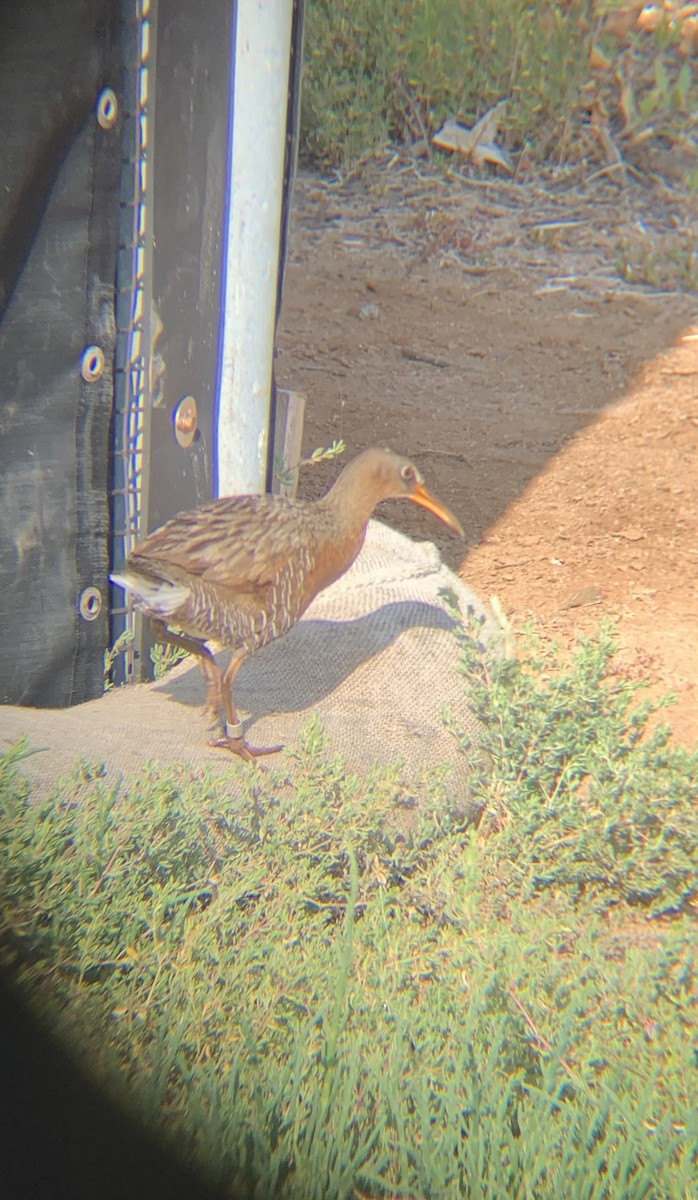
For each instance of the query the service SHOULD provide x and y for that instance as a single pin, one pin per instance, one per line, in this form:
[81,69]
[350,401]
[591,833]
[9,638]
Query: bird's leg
[215,705]
[233,738]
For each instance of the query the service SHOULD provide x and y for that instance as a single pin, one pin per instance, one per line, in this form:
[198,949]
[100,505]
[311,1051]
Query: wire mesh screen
[133,367]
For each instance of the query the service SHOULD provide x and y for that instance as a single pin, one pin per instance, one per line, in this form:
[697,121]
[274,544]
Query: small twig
[540,1038]
[320,455]
[466,268]
[552,225]
[413,356]
[107,869]
[327,370]
[414,108]
[324,455]
[487,184]
[522,156]
[428,450]
[624,167]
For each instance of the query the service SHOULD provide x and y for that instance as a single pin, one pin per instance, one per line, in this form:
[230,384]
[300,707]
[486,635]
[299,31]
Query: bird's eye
[407,473]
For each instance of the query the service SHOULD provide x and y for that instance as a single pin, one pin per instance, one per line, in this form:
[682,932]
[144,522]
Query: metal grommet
[90,603]
[186,422]
[107,108]
[92,363]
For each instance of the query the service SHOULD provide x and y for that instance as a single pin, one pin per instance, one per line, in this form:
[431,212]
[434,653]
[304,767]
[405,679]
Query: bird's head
[383,475]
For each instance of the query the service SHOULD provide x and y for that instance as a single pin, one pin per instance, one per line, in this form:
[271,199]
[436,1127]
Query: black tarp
[68,246]
[68,211]
[59,175]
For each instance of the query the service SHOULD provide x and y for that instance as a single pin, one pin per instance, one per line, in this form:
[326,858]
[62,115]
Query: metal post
[262,55]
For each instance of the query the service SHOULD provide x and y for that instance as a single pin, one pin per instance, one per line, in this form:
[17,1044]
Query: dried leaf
[598,61]
[650,17]
[478,144]
[621,21]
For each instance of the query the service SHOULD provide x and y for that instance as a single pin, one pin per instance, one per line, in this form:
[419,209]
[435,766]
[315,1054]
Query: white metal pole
[262,55]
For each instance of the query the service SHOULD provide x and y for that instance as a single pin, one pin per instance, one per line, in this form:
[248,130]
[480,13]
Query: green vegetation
[460,58]
[287,473]
[669,262]
[375,71]
[303,1000]
[165,657]
[595,806]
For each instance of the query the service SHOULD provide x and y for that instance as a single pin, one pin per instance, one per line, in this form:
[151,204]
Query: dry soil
[527,345]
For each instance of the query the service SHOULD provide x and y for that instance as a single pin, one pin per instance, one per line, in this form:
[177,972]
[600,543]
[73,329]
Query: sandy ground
[488,330]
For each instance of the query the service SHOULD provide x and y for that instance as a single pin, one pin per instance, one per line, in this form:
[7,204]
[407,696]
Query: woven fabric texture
[374,658]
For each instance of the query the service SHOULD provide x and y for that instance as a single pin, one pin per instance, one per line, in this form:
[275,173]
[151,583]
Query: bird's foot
[233,739]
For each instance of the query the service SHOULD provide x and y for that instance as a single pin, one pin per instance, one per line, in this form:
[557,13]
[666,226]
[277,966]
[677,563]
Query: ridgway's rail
[242,570]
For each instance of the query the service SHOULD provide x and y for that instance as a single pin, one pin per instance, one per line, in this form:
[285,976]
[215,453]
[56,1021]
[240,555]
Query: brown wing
[239,541]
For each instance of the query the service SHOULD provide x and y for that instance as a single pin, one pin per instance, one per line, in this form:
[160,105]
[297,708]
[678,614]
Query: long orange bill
[420,495]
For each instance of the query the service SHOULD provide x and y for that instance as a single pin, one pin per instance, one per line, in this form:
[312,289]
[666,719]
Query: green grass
[304,1001]
[460,58]
[669,262]
[364,58]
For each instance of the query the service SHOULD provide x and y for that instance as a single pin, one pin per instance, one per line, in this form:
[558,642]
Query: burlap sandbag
[374,657]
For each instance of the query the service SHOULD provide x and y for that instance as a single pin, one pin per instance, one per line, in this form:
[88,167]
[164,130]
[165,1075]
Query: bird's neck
[351,501]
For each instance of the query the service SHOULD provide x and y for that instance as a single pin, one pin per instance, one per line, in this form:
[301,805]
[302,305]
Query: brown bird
[242,570]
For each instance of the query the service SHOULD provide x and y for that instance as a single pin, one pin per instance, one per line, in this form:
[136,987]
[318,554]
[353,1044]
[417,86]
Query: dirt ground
[488,330]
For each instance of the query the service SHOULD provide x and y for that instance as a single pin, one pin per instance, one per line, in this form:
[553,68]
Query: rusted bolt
[186,421]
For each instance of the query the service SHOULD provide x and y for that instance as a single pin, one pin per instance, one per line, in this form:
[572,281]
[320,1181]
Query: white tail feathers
[156,597]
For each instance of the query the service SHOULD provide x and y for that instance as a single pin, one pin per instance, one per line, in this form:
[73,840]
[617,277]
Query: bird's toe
[238,745]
